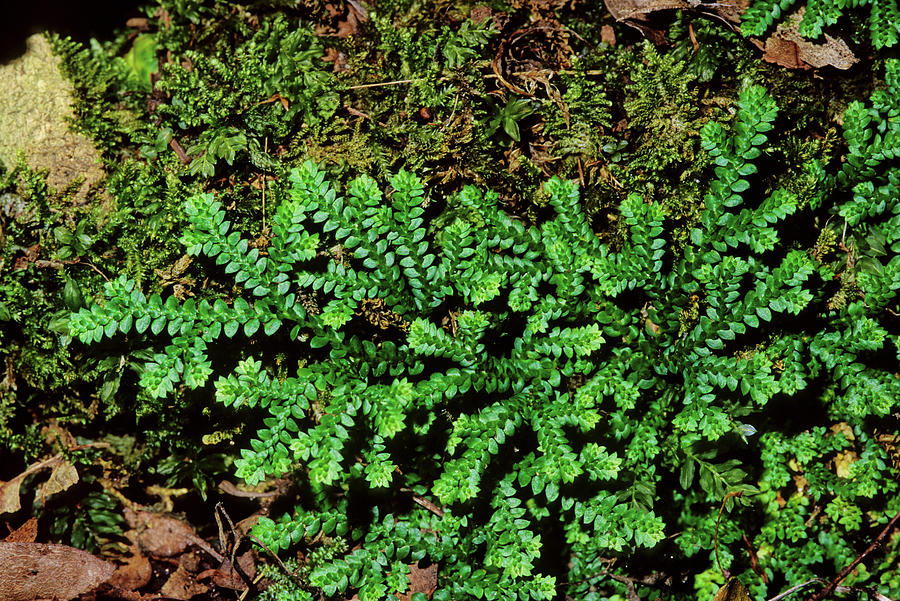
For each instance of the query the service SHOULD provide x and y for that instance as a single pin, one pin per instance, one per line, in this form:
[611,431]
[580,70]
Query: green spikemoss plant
[531,402]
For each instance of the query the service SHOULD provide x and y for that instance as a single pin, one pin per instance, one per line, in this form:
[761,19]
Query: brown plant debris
[788,49]
[36,571]
[226,576]
[539,49]
[174,275]
[732,591]
[377,313]
[160,535]
[181,585]
[345,18]
[26,533]
[421,580]
[134,573]
[638,13]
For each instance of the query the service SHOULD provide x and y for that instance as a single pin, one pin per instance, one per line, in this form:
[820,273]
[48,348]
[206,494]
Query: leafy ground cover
[472,300]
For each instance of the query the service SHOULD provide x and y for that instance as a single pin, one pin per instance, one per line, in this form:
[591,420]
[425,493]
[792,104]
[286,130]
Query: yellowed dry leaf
[61,480]
[62,477]
[843,461]
[9,491]
[9,495]
[732,591]
[844,429]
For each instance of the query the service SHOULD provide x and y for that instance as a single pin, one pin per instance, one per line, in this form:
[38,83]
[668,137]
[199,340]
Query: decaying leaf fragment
[62,477]
[160,535]
[786,47]
[421,580]
[732,591]
[226,576]
[135,573]
[181,585]
[26,533]
[35,571]
[842,462]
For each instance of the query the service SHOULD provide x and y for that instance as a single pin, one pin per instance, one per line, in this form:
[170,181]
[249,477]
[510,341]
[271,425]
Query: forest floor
[102,141]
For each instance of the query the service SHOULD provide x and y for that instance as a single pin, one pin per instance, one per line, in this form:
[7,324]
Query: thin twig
[794,589]
[230,489]
[422,501]
[237,540]
[397,82]
[382,84]
[871,592]
[287,571]
[95,268]
[179,151]
[718,519]
[43,263]
[265,151]
[828,590]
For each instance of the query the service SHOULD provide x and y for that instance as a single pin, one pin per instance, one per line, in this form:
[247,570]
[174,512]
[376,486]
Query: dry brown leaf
[225,576]
[623,10]
[338,58]
[30,256]
[160,535]
[135,573]
[479,14]
[787,48]
[421,580]
[34,571]
[285,103]
[26,533]
[181,585]
[732,591]
[62,477]
[142,23]
[608,35]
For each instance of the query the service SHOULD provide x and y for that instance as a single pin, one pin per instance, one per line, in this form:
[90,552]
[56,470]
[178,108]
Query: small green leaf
[72,295]
[142,323]
[230,328]
[251,327]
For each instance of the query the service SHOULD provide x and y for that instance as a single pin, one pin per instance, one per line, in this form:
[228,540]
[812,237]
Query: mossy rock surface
[35,115]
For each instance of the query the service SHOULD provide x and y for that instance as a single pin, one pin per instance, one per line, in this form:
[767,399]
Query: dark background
[81,20]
